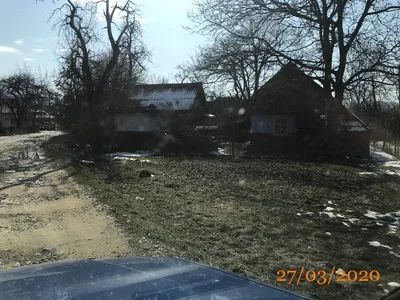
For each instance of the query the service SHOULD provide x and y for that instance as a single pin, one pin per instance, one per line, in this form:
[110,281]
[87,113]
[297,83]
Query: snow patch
[132,154]
[346,224]
[329,209]
[392,164]
[89,162]
[366,165]
[376,174]
[392,229]
[372,214]
[390,217]
[353,220]
[377,244]
[220,152]
[132,159]
[395,254]
[329,214]
[388,172]
[328,233]
[394,284]
[379,155]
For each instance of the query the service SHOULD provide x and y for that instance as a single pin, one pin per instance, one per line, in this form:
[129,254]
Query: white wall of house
[268,124]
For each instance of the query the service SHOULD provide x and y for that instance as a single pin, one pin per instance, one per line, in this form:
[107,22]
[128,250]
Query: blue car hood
[131,278]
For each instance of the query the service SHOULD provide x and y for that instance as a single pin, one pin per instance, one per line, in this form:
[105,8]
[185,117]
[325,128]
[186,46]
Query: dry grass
[242,216]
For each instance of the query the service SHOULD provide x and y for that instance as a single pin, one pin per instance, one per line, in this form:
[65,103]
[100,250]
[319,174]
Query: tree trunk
[374,95]
[18,122]
[339,93]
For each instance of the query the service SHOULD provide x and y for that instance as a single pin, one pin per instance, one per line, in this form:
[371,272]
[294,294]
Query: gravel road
[44,214]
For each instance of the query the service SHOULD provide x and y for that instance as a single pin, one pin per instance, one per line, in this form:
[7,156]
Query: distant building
[35,120]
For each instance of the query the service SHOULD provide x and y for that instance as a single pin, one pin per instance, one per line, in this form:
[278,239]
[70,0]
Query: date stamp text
[323,277]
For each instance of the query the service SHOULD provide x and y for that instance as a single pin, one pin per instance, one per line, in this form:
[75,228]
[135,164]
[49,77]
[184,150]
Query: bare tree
[89,72]
[186,73]
[319,35]
[241,63]
[235,62]
[24,95]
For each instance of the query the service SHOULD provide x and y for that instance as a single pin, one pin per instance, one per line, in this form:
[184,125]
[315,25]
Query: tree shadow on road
[36,177]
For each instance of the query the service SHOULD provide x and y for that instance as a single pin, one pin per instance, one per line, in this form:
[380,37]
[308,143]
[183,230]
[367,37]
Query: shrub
[190,143]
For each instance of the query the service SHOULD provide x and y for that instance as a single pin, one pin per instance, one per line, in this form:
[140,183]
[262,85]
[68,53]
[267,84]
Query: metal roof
[167,96]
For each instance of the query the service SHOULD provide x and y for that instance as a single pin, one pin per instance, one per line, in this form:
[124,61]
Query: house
[35,120]
[44,120]
[292,113]
[154,110]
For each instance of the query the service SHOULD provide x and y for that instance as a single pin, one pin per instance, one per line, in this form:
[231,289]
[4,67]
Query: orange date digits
[322,277]
[342,276]
[281,276]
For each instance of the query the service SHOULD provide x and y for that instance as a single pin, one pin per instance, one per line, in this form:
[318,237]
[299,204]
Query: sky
[27,38]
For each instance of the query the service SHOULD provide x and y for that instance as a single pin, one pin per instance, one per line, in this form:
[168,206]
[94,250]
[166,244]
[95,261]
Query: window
[281,127]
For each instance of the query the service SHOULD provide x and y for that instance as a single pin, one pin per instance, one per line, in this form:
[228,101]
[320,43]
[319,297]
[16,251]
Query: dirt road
[44,214]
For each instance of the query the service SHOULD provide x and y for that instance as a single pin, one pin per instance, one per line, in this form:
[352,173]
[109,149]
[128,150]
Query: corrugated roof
[167,96]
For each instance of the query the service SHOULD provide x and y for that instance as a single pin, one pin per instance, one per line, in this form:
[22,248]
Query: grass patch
[242,216]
